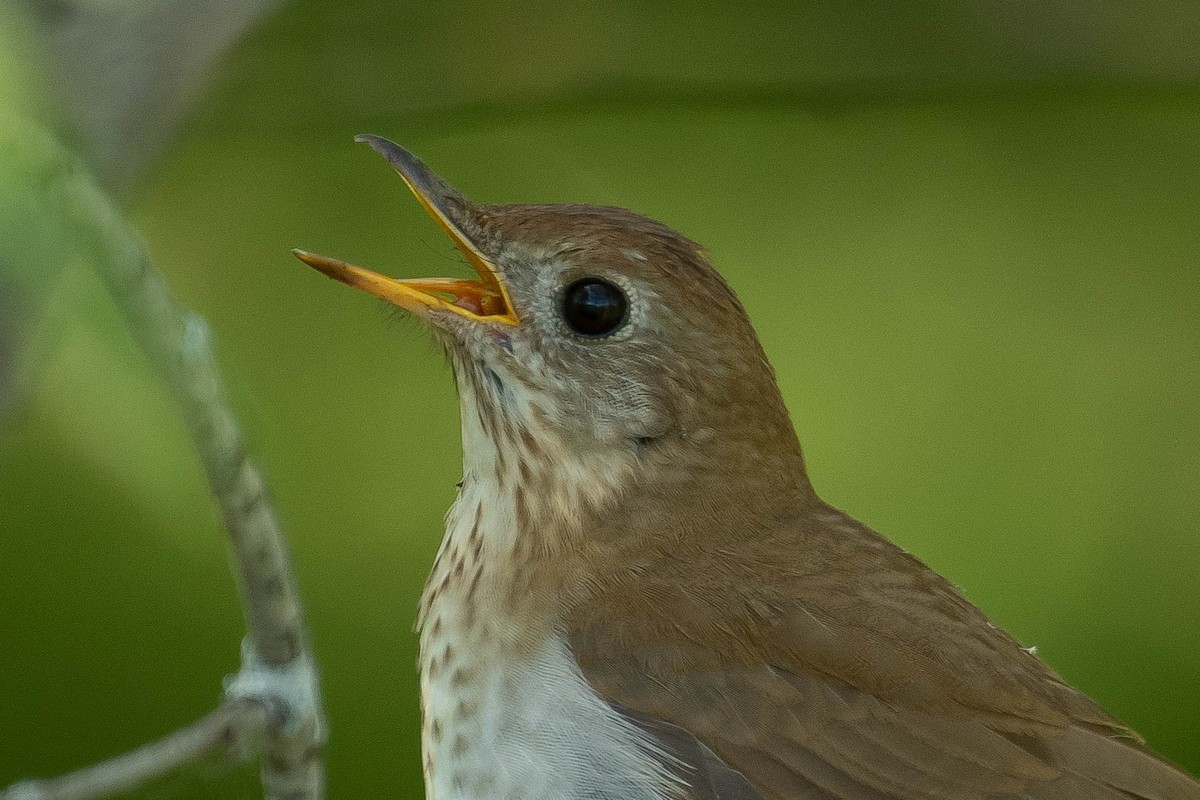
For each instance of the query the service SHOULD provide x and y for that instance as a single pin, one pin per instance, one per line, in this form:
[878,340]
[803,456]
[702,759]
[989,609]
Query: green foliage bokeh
[982,305]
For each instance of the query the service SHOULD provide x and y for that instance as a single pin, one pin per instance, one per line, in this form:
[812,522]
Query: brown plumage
[637,532]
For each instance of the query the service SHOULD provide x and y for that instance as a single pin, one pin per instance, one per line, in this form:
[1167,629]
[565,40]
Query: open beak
[483,300]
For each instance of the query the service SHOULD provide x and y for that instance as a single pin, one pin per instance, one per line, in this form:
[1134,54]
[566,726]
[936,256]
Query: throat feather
[506,712]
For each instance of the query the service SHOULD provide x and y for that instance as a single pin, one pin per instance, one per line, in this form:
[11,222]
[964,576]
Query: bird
[640,595]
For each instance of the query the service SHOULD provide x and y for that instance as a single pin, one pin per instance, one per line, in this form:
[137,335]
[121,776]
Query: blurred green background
[967,232]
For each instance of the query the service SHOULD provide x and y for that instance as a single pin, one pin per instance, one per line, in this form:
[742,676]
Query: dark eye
[594,307]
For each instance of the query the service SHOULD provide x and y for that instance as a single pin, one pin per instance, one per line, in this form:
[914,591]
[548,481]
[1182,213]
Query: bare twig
[278,674]
[228,728]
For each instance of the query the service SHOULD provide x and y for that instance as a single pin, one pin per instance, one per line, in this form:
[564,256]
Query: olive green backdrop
[969,239]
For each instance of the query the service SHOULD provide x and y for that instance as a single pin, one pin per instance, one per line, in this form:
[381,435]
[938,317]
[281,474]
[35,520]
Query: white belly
[535,731]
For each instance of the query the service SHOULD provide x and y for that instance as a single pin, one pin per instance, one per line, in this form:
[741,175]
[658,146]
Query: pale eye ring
[594,307]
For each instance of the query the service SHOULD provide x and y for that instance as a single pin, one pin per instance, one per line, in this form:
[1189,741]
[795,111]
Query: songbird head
[600,358]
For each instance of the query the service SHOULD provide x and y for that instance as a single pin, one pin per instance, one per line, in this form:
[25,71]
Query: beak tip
[326,266]
[419,177]
[385,147]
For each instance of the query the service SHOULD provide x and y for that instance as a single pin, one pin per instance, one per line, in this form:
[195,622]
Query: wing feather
[873,680]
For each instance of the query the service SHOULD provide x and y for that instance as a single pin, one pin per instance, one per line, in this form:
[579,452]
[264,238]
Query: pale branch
[278,671]
[231,730]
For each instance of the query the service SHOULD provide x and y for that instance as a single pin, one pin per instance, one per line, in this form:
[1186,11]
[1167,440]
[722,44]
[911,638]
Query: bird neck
[543,515]
[511,532]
